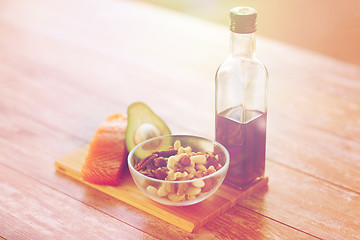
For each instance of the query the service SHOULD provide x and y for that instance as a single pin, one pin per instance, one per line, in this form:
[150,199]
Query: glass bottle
[241,102]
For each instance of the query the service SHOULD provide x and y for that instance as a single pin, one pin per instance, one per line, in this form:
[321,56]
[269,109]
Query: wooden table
[67,65]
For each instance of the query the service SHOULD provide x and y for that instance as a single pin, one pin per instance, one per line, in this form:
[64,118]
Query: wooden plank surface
[188,218]
[64,69]
[27,214]
[39,167]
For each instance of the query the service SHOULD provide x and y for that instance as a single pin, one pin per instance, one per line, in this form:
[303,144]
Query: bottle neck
[242,45]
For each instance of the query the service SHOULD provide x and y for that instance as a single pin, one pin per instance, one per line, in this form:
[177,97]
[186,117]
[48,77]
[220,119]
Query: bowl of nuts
[178,170]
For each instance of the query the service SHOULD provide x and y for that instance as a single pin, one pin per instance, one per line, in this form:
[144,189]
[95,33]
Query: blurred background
[329,27]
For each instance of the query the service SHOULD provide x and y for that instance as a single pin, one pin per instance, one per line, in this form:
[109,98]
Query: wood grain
[63,69]
[27,213]
[46,175]
[319,208]
[40,152]
[188,218]
[121,63]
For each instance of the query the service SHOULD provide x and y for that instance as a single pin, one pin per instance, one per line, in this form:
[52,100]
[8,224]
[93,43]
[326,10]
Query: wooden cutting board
[188,218]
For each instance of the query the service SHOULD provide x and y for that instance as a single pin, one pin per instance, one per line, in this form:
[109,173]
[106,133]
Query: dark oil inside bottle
[243,133]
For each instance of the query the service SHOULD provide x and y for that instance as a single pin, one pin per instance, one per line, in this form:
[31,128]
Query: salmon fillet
[107,153]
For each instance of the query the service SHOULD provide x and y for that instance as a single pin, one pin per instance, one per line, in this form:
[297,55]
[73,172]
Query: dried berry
[185,160]
[160,173]
[211,161]
[160,162]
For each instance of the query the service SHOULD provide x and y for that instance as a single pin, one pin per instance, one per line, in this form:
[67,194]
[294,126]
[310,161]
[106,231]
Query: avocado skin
[139,113]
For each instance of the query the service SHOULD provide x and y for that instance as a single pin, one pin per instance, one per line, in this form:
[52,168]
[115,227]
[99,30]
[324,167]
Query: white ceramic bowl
[180,192]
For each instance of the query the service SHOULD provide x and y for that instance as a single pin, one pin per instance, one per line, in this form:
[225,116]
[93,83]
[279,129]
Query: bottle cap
[243,20]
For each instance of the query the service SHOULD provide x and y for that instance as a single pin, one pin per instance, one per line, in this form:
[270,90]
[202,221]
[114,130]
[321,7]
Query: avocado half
[144,124]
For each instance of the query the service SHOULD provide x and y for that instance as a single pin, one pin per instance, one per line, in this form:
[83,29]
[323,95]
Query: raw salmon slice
[107,153]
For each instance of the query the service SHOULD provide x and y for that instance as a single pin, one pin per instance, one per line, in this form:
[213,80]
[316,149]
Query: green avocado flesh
[144,124]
